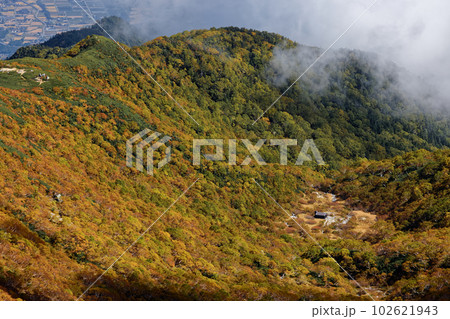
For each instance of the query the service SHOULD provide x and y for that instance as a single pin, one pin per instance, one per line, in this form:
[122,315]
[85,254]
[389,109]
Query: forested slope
[225,239]
[411,189]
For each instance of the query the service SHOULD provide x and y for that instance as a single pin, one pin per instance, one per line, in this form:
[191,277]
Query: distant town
[28,22]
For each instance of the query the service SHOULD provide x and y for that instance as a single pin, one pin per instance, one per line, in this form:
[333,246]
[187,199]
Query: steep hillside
[413,189]
[69,205]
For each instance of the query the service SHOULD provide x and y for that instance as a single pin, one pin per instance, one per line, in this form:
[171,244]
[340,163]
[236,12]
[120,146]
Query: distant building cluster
[28,22]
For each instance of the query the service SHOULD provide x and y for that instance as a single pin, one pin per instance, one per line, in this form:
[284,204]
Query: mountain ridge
[58,45]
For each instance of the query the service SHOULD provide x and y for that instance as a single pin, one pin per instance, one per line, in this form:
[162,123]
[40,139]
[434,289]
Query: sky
[415,34]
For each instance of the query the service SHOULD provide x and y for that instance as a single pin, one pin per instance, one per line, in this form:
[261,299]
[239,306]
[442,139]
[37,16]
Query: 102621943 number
[404,310]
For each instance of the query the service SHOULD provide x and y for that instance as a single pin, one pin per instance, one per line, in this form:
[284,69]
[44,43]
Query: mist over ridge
[411,33]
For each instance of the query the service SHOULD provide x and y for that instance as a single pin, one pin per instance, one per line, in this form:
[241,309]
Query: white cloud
[413,33]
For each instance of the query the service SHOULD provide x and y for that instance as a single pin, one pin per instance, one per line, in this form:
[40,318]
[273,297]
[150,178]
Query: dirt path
[21,72]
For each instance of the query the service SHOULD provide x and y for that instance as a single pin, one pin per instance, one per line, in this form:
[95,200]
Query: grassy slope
[58,45]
